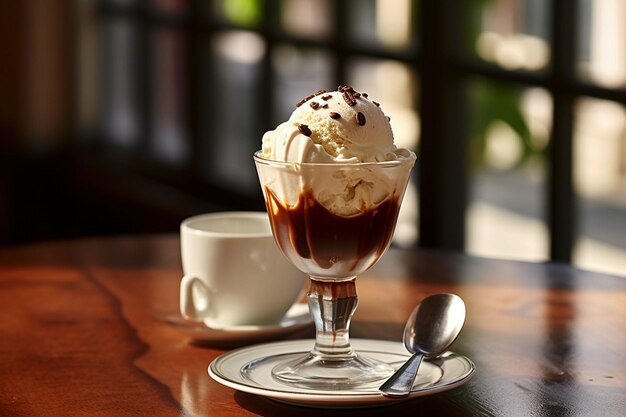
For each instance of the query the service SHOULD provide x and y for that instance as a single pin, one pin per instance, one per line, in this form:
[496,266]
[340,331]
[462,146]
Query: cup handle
[188,307]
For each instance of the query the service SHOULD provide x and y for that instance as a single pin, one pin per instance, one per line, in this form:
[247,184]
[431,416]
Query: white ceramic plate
[295,320]
[249,370]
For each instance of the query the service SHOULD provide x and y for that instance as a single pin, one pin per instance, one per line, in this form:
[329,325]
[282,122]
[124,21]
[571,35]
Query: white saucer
[249,370]
[295,320]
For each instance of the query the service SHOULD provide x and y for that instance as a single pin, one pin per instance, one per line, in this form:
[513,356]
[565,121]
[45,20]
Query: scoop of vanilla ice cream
[344,137]
[342,126]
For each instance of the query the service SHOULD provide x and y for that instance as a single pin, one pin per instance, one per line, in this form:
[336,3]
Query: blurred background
[126,116]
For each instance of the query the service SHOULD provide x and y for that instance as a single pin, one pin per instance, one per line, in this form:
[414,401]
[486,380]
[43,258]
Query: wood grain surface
[91,328]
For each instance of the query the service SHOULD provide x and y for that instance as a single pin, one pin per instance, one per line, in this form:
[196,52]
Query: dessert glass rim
[394,162]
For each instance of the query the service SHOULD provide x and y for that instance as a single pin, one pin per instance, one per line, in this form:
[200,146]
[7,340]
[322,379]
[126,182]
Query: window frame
[443,70]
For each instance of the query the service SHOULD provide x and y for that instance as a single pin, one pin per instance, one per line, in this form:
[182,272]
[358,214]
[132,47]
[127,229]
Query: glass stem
[332,304]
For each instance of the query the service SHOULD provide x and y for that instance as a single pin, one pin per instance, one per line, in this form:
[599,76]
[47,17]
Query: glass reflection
[170,141]
[229,122]
[512,34]
[295,18]
[297,72]
[510,128]
[121,107]
[600,182]
[602,42]
[385,23]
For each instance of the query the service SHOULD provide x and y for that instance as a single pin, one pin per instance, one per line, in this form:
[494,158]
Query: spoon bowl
[430,330]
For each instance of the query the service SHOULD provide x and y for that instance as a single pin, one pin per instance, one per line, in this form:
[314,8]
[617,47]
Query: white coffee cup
[234,272]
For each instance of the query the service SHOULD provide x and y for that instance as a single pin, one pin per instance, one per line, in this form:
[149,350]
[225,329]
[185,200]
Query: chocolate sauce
[332,304]
[324,244]
[332,289]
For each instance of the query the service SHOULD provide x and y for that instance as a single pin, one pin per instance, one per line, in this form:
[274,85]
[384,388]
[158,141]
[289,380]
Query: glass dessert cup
[333,222]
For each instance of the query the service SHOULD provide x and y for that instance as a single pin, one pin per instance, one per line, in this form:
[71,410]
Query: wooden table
[91,328]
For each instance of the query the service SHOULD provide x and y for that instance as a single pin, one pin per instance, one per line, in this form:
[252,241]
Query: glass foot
[312,371]
[331,363]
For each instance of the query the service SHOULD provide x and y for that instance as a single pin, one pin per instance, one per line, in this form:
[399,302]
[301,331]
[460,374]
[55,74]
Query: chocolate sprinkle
[334,115]
[320,92]
[357,95]
[327,97]
[314,105]
[360,119]
[364,95]
[378,104]
[349,98]
[304,129]
[304,100]
[325,106]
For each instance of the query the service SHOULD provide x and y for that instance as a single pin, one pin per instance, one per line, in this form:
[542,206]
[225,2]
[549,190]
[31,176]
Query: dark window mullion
[490,71]
[266,99]
[441,165]
[561,200]
[540,79]
[194,87]
[602,93]
[338,42]
[145,30]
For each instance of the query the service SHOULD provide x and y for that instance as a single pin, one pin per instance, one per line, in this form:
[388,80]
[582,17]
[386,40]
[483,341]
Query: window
[516,107]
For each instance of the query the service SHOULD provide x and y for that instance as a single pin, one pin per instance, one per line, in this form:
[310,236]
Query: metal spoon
[432,327]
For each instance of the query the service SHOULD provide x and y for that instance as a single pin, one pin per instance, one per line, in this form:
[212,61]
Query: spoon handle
[400,383]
